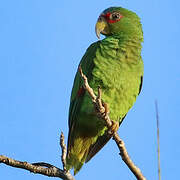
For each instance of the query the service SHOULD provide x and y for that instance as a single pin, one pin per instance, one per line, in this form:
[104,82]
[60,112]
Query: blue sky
[41,45]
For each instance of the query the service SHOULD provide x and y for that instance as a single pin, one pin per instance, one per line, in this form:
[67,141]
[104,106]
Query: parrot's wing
[102,140]
[77,93]
[99,144]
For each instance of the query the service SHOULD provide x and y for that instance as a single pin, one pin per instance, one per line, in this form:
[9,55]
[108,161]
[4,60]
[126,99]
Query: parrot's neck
[126,36]
[130,44]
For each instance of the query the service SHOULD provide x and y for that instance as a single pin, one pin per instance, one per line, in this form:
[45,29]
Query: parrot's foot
[106,109]
[114,127]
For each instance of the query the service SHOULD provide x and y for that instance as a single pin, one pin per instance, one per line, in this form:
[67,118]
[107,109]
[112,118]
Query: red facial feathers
[109,17]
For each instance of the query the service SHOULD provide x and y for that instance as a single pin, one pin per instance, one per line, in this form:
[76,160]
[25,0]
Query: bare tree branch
[64,151]
[125,157]
[53,171]
[158,148]
[48,170]
[42,167]
[102,111]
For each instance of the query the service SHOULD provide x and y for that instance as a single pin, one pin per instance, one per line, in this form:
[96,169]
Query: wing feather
[87,65]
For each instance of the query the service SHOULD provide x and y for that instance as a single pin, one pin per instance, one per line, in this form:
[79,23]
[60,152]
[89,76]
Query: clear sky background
[41,44]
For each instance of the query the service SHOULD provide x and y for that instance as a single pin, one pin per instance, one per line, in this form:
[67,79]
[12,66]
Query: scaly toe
[114,127]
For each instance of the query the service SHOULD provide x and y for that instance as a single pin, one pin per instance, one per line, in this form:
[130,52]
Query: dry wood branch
[102,112]
[47,170]
[125,157]
[64,151]
[42,167]
[86,85]
[53,171]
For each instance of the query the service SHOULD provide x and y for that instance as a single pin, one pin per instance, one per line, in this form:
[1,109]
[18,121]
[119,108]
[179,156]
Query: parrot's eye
[115,16]
[111,17]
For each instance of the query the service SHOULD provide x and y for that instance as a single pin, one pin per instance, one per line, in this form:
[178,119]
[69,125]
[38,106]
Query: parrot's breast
[118,70]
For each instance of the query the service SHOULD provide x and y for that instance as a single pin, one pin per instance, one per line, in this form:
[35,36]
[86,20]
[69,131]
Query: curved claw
[114,127]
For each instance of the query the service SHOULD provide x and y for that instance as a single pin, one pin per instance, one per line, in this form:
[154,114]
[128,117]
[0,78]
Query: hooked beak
[101,27]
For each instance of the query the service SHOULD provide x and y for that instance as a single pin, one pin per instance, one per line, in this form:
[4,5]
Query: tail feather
[73,162]
[77,153]
[83,150]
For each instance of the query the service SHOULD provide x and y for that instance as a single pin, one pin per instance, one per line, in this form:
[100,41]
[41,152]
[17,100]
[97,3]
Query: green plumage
[115,65]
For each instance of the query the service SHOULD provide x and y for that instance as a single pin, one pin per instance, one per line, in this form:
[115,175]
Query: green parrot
[114,64]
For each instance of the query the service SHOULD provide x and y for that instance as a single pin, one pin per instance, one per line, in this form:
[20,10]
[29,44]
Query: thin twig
[158,144]
[86,85]
[48,170]
[42,167]
[99,102]
[102,111]
[52,171]
[125,157]
[64,151]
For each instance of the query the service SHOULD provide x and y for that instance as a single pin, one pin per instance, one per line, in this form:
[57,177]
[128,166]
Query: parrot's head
[115,20]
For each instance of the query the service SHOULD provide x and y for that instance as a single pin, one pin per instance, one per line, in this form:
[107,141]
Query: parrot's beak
[101,27]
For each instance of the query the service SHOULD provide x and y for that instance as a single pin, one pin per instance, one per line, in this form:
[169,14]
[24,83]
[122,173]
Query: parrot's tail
[83,149]
[77,153]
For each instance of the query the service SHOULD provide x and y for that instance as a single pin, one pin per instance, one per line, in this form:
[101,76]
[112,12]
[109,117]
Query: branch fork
[42,167]
[53,171]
